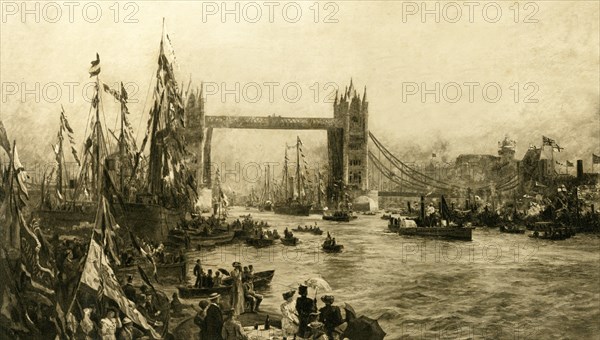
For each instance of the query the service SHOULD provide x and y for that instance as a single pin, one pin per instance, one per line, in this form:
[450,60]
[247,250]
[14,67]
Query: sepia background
[371,42]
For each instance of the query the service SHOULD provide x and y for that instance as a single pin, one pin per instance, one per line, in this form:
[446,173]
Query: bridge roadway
[272,122]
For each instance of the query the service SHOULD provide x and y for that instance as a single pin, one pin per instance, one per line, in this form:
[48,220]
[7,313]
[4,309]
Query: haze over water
[500,286]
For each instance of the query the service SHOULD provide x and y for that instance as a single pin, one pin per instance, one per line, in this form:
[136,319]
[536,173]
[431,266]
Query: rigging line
[145,103]
[386,173]
[396,181]
[385,150]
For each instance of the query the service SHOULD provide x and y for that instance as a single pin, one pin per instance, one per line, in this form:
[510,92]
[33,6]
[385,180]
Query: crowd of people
[302,320]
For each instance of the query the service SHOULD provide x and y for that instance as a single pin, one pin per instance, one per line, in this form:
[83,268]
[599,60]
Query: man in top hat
[316,331]
[330,316]
[129,289]
[237,291]
[305,306]
[213,319]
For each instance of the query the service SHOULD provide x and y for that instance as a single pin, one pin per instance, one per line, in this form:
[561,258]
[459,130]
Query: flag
[595,159]
[20,174]
[4,143]
[433,155]
[551,142]
[105,227]
[97,272]
[95,68]
[569,164]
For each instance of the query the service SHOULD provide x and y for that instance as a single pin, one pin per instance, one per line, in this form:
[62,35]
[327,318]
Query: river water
[499,286]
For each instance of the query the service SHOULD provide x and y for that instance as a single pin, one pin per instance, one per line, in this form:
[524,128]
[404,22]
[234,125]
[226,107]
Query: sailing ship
[266,200]
[152,193]
[294,200]
[252,200]
[319,192]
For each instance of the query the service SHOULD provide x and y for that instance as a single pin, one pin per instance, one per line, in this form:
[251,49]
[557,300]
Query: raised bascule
[347,139]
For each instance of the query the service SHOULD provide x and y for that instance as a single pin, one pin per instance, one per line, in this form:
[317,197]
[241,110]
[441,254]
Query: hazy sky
[380,44]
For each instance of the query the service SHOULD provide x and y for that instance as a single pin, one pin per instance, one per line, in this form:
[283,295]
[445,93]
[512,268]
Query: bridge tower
[348,147]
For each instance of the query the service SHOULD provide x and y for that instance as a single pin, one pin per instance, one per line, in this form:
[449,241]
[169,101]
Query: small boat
[511,230]
[172,271]
[260,242]
[313,231]
[551,231]
[289,241]
[339,216]
[179,238]
[386,216]
[261,280]
[336,248]
[457,233]
[369,213]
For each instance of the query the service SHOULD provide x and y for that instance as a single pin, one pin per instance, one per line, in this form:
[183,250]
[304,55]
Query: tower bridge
[351,148]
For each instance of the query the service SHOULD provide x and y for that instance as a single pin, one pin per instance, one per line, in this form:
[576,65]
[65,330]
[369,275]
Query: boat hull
[290,241]
[261,280]
[292,209]
[260,242]
[333,249]
[166,272]
[150,220]
[465,234]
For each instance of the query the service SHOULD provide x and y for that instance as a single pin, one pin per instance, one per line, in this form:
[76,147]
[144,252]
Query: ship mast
[285,173]
[298,165]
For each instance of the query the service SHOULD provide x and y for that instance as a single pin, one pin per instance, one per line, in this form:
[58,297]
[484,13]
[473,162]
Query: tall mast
[285,173]
[318,186]
[298,164]
[122,140]
[98,179]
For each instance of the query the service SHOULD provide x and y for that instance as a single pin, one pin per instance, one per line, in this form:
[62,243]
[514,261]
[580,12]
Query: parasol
[364,328]
[224,271]
[318,283]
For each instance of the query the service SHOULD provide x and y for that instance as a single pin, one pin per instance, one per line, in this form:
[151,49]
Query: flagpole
[84,262]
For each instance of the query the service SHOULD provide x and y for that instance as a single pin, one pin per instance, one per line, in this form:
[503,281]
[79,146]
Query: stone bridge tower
[348,147]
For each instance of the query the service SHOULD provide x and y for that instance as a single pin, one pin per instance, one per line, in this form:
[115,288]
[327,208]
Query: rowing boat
[261,280]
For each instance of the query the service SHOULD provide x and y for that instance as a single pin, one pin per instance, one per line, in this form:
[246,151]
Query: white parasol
[318,283]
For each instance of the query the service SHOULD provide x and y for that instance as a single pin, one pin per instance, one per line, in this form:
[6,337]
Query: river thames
[499,286]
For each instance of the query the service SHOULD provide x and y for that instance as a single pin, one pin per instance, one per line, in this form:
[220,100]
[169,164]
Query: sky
[543,56]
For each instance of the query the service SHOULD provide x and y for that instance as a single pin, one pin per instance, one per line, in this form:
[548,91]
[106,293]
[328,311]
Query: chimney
[579,169]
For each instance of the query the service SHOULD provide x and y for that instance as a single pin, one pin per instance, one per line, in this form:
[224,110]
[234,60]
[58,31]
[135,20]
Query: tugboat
[448,231]
[293,204]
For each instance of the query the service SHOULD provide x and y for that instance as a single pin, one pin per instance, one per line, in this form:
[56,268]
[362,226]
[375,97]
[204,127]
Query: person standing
[198,274]
[129,289]
[200,318]
[237,291]
[109,325]
[87,326]
[213,319]
[305,306]
[290,321]
[330,316]
[232,329]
